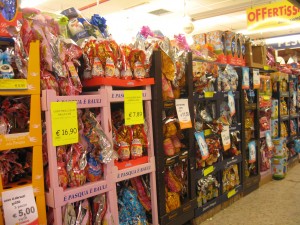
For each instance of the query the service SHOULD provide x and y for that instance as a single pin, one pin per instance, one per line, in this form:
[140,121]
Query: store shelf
[56,197]
[32,138]
[231,193]
[294,116]
[250,184]
[284,118]
[214,95]
[135,171]
[117,82]
[210,170]
[207,206]
[251,106]
[231,161]
[181,215]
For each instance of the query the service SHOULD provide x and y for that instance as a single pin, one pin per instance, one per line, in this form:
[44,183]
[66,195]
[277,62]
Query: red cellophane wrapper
[126,72]
[76,167]
[48,81]
[172,181]
[99,208]
[138,185]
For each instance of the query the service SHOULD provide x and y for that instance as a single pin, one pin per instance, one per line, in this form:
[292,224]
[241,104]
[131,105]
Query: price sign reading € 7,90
[133,107]
[64,123]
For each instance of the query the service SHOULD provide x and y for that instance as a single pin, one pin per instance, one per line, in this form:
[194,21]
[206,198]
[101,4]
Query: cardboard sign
[183,112]
[19,206]
[133,107]
[64,123]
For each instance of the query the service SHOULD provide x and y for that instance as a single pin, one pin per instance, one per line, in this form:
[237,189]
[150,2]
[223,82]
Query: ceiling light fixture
[31,3]
[188,26]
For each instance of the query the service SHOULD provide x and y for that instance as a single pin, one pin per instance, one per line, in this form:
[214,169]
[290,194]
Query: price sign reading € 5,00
[133,107]
[64,123]
[19,206]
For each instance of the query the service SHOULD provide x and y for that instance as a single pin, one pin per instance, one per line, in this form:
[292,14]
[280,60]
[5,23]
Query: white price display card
[256,79]
[19,206]
[183,112]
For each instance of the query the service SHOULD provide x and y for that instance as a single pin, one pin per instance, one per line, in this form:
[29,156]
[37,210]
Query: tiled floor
[275,203]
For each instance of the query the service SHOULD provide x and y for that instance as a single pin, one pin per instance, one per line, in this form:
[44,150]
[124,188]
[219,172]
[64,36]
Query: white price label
[256,79]
[226,138]
[19,206]
[252,152]
[183,112]
[231,103]
[295,98]
[246,80]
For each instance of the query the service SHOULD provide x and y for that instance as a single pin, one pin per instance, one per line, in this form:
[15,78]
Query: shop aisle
[275,203]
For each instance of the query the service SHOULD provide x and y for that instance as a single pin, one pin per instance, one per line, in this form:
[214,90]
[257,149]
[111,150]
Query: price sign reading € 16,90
[133,107]
[64,123]
[19,206]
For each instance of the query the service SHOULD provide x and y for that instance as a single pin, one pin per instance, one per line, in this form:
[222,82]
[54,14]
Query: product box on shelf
[231,47]
[129,167]
[10,14]
[31,139]
[241,50]
[172,143]
[217,39]
[255,55]
[200,39]
[57,197]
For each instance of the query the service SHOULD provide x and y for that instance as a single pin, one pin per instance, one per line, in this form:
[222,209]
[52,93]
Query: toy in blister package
[230,178]
[207,189]
[204,76]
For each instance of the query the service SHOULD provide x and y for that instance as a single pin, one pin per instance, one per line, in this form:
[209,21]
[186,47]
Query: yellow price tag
[266,97]
[266,67]
[207,132]
[208,170]
[13,84]
[133,107]
[231,193]
[64,123]
[209,94]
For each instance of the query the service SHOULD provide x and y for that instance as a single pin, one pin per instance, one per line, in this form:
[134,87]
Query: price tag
[231,103]
[64,123]
[266,67]
[133,107]
[226,138]
[256,79]
[19,206]
[183,112]
[231,193]
[208,170]
[13,84]
[209,94]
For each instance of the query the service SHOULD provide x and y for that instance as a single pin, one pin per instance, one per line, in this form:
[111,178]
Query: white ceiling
[126,17]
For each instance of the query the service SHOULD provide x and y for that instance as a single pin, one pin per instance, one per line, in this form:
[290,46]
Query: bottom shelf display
[134,201]
[95,210]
